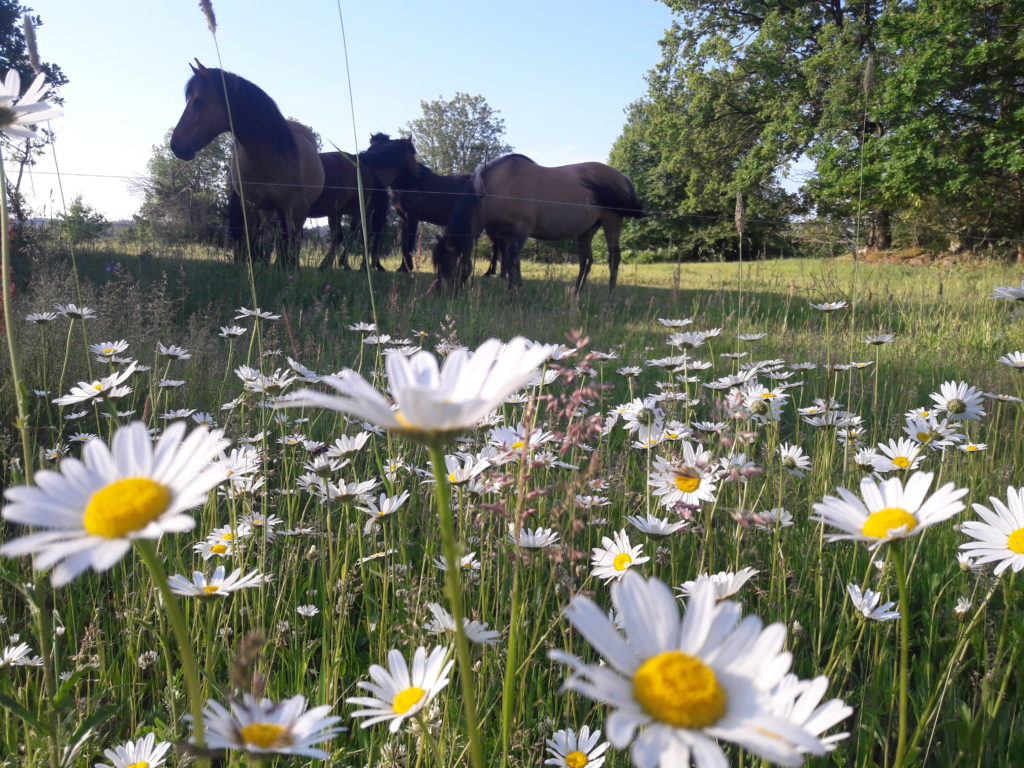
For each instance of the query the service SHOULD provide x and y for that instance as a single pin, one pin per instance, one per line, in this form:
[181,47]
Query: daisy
[173,351]
[345,445]
[829,306]
[959,400]
[261,727]
[108,386]
[444,623]
[377,510]
[772,518]
[880,338]
[615,556]
[798,702]
[307,611]
[232,331]
[18,111]
[1014,359]
[888,510]
[794,460]
[257,313]
[655,526]
[1012,292]
[973,447]
[74,312]
[678,685]
[41,318]
[690,480]
[398,692]
[95,508]
[216,585]
[673,323]
[107,349]
[726,583]
[434,403]
[897,456]
[867,604]
[1000,537]
[462,473]
[144,753]
[375,556]
[533,539]
[467,562]
[18,656]
[571,750]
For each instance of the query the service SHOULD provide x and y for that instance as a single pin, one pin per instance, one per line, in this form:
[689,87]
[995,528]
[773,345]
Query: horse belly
[563,221]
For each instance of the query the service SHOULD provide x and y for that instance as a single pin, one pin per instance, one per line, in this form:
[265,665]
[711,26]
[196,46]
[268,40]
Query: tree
[185,201]
[82,222]
[456,136]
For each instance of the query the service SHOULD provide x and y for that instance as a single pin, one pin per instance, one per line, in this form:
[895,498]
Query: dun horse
[512,198]
[276,168]
[385,160]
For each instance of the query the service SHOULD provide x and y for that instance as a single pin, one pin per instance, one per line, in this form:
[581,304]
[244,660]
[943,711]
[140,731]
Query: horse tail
[615,192]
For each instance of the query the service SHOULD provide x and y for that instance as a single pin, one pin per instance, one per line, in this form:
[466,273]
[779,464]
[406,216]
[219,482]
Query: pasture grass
[964,675]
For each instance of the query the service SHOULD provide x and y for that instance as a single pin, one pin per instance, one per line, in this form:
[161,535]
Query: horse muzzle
[181,150]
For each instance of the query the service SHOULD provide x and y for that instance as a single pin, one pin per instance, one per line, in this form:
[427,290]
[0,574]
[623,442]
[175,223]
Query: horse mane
[387,154]
[252,110]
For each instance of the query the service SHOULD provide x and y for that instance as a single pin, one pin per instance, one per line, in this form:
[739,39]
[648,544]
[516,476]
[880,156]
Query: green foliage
[456,136]
[82,222]
[185,201]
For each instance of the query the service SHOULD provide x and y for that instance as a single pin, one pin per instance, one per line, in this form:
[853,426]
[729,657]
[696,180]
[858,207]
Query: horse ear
[199,69]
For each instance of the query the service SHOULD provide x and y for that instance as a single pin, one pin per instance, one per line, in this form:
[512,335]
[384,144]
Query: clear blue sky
[561,73]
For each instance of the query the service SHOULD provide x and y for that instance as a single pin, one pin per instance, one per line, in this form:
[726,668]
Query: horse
[385,160]
[513,198]
[276,167]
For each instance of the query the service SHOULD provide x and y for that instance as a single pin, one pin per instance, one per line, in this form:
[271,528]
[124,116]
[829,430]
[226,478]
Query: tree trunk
[881,231]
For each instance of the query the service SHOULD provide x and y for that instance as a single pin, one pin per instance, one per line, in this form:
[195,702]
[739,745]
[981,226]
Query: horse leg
[333,238]
[495,254]
[409,226]
[612,230]
[510,266]
[586,256]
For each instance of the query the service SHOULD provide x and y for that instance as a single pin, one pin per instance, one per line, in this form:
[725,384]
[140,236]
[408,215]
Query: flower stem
[900,560]
[147,551]
[453,588]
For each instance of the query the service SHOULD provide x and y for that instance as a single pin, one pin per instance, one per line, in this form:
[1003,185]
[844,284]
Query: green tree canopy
[185,201]
[456,136]
[82,222]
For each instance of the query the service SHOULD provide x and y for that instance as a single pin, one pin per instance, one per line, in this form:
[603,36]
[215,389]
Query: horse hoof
[403,268]
[489,273]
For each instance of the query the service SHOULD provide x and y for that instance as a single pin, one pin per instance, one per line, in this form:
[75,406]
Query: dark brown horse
[512,198]
[276,169]
[385,160]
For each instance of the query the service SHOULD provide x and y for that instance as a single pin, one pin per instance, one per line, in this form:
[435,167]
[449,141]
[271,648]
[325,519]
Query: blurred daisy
[400,692]
[19,111]
[307,611]
[74,312]
[973,447]
[232,331]
[685,683]
[467,562]
[257,313]
[888,510]
[1014,360]
[772,518]
[879,339]
[829,306]
[261,727]
[533,539]
[999,538]
[867,604]
[144,753]
[444,623]
[19,656]
[95,508]
[655,526]
[41,318]
[726,583]
[1012,292]
[798,702]
[434,403]
[615,556]
[375,556]
[571,750]
[216,585]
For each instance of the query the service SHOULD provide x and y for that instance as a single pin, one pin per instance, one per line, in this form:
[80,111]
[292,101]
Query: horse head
[394,159]
[205,116]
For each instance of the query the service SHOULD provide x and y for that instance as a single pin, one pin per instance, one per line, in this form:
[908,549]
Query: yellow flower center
[879,523]
[451,478]
[923,437]
[124,506]
[211,588]
[681,690]
[687,480]
[970,447]
[400,418]
[266,735]
[219,549]
[407,699]
[97,386]
[109,350]
[140,764]
[901,461]
[517,445]
[227,536]
[1016,541]
[622,561]
[576,759]
[768,395]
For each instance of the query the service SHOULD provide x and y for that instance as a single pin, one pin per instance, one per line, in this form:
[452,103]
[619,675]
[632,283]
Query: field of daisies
[731,516]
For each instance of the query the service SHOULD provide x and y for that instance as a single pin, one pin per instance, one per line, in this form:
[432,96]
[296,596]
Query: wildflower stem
[453,588]
[900,560]
[5,299]
[147,551]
